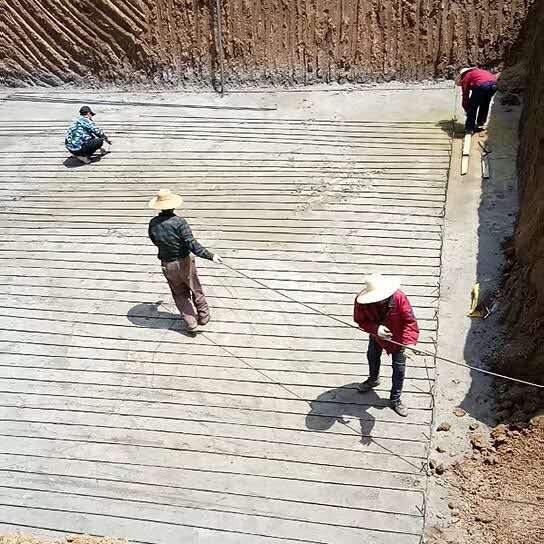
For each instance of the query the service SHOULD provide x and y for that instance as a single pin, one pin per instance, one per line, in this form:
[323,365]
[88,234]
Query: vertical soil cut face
[277,42]
[524,289]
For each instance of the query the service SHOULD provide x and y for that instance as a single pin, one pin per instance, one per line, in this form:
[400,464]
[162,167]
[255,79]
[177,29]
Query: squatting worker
[478,87]
[175,240]
[84,138]
[383,310]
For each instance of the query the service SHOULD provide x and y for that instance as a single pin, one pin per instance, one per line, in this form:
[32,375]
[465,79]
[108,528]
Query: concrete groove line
[211,297]
[236,124]
[259,136]
[342,196]
[13,160]
[222,453]
[236,512]
[238,409]
[153,302]
[104,232]
[379,176]
[214,421]
[221,307]
[288,540]
[161,317]
[187,376]
[205,273]
[226,408]
[237,257]
[214,394]
[211,331]
[227,437]
[258,169]
[222,139]
[159,522]
[243,131]
[222,407]
[349,243]
[264,250]
[140,225]
[50,333]
[185,507]
[226,493]
[211,392]
[155,362]
[288,196]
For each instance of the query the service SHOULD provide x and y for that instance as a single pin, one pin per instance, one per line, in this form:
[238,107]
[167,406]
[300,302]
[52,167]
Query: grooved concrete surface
[115,423]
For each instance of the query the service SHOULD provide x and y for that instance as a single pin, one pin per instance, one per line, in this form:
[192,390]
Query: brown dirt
[523,293]
[21,538]
[275,42]
[497,496]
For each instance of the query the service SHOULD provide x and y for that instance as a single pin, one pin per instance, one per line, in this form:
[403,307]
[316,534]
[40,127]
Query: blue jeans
[374,355]
[480,99]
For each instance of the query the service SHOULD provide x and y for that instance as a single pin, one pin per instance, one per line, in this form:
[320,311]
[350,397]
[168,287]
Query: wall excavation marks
[114,422]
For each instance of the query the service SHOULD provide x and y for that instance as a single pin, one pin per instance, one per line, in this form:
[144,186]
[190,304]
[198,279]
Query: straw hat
[462,72]
[165,199]
[377,288]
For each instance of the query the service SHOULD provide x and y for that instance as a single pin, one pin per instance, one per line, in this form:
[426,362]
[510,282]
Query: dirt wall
[524,292]
[51,42]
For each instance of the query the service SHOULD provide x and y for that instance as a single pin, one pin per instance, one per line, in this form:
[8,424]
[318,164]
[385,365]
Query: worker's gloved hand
[217,259]
[384,332]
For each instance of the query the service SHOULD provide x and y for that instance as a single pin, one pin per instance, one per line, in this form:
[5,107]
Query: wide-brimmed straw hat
[165,199]
[462,72]
[378,288]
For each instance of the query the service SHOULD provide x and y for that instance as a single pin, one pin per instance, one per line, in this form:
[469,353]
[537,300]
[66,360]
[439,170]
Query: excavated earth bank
[524,289]
[52,42]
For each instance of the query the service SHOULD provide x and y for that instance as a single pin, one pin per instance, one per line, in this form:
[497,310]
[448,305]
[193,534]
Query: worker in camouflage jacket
[84,138]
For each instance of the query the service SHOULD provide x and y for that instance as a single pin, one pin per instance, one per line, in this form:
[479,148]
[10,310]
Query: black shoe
[368,385]
[398,407]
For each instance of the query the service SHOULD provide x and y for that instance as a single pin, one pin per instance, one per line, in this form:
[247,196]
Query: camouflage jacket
[80,132]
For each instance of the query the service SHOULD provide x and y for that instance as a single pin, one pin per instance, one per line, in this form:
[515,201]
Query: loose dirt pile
[162,42]
[497,495]
[80,539]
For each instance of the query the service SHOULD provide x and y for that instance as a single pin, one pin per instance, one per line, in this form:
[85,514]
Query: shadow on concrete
[496,217]
[496,220]
[335,405]
[148,315]
[72,162]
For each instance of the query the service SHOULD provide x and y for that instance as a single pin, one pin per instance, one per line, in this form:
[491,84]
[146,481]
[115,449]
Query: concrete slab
[113,422]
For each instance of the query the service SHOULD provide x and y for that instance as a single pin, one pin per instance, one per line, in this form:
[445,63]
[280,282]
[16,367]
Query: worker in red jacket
[478,87]
[383,310]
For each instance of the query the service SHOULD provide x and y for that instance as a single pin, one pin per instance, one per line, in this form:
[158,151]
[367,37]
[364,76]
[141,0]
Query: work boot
[83,159]
[368,385]
[398,407]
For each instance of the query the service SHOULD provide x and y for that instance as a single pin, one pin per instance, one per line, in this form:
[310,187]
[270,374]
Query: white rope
[411,348]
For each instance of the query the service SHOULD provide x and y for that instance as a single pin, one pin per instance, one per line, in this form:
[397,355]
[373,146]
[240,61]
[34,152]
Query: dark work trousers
[374,355]
[90,146]
[478,106]
[187,291]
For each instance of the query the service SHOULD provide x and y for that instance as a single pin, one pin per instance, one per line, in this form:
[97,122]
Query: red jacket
[398,318]
[474,79]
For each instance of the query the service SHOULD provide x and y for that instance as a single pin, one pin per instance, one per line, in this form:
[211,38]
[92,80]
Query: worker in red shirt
[478,87]
[383,310]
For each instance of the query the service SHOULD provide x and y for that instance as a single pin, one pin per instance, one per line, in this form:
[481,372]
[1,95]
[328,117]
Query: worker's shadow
[149,316]
[72,162]
[335,405]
